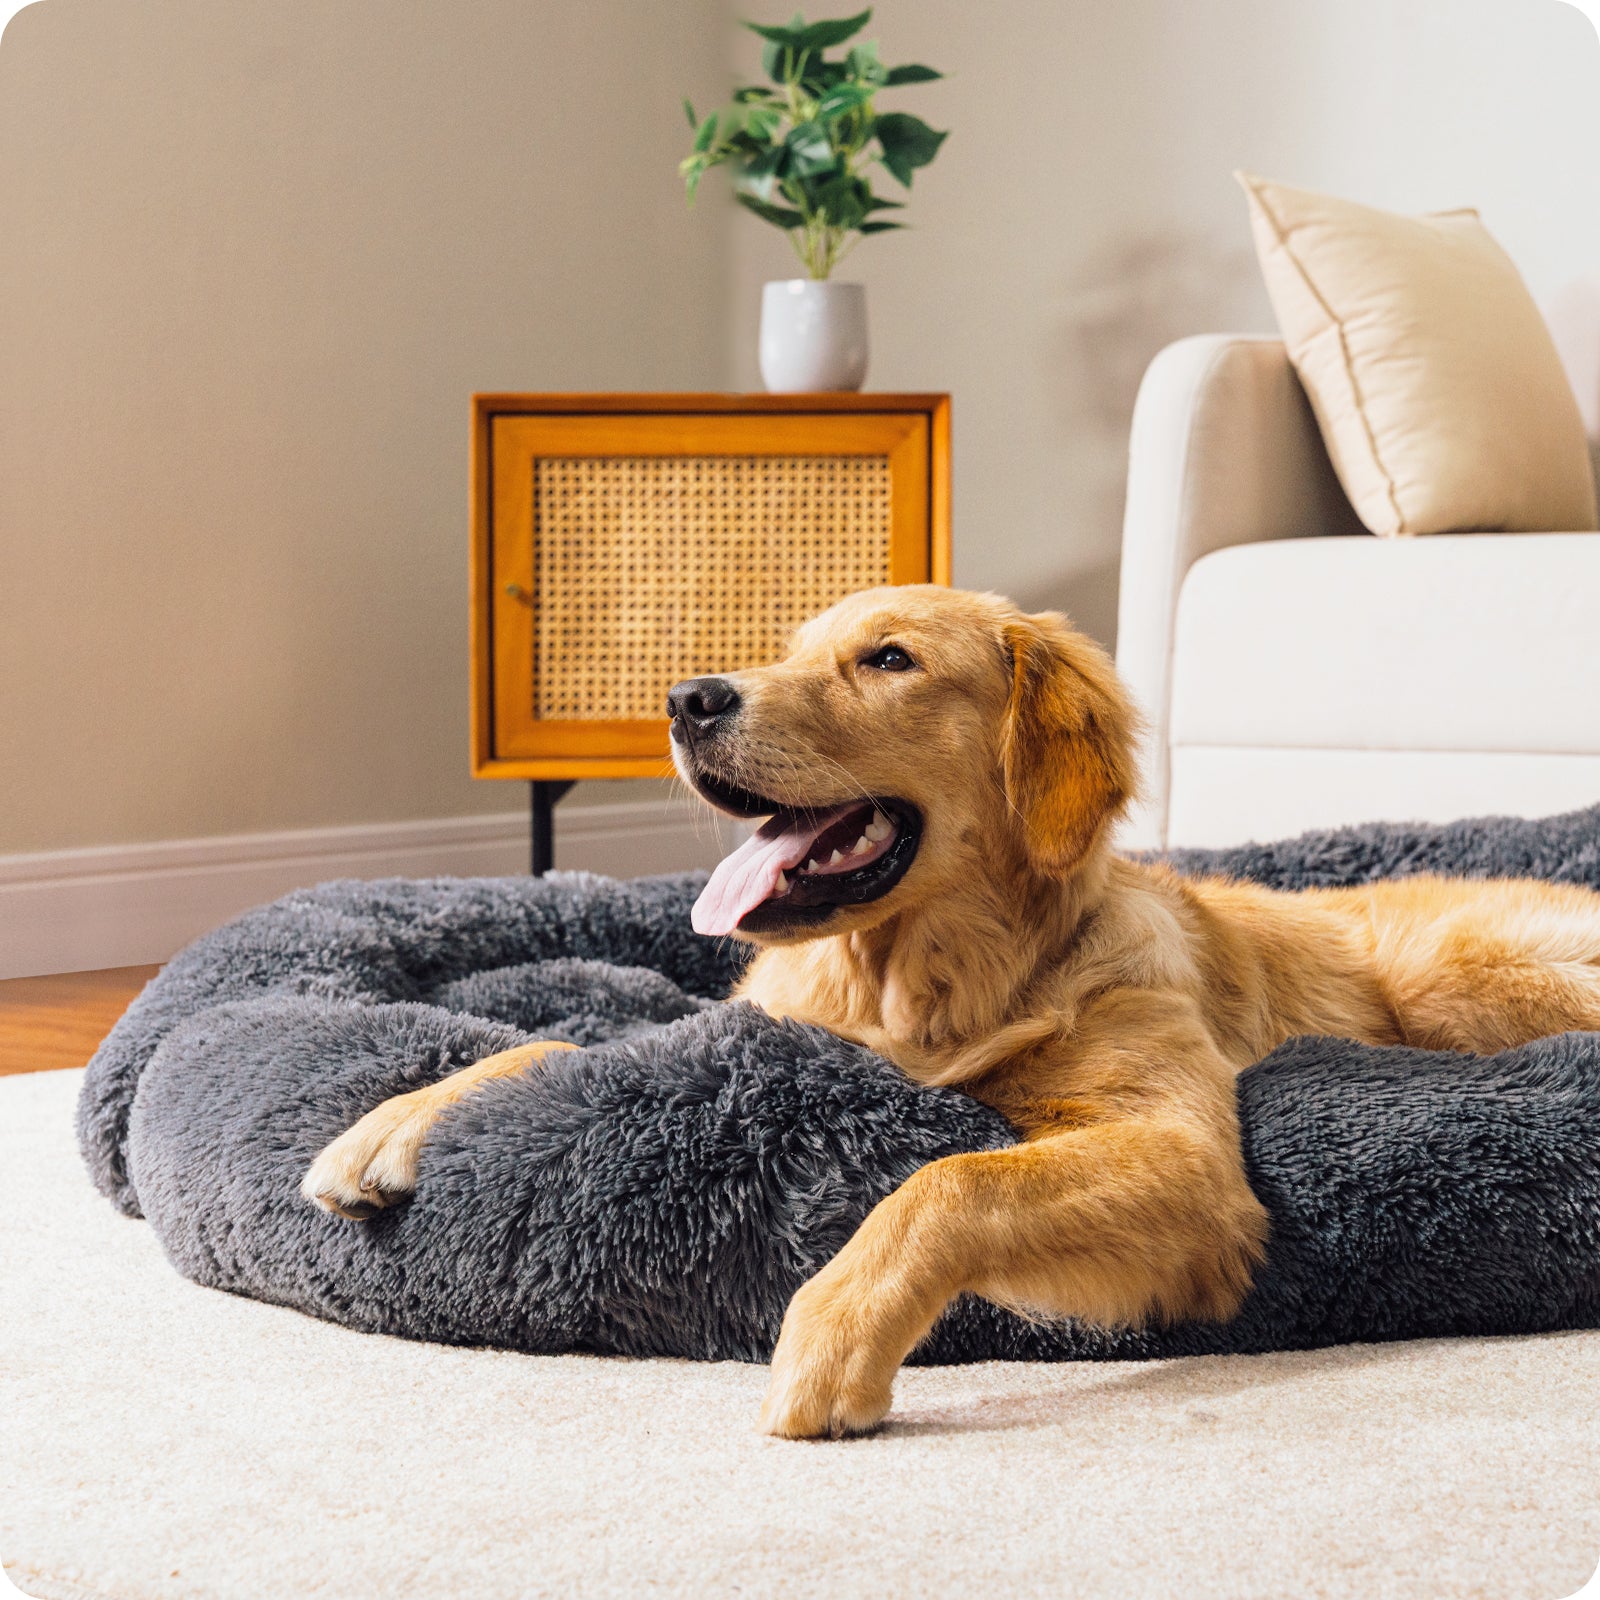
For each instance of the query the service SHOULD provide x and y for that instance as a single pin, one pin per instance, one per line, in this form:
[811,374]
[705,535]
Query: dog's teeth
[811,865]
[861,846]
[836,858]
[783,883]
[878,829]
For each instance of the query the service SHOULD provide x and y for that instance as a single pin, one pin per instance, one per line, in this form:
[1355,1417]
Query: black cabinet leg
[545,795]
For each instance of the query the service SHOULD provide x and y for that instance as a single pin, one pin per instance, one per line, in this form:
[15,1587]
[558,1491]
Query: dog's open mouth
[801,866]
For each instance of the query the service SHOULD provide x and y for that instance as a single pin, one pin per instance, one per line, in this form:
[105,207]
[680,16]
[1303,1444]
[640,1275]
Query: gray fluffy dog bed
[667,1188]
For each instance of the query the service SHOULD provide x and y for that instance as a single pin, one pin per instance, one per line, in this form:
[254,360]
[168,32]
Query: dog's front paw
[373,1164]
[827,1380]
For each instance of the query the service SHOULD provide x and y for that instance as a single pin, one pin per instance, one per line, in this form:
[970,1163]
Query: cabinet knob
[517,592]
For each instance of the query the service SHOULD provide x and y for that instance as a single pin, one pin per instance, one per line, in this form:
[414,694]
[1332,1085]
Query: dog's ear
[1067,742]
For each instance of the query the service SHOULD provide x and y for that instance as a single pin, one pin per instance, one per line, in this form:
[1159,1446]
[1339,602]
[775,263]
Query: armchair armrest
[1224,451]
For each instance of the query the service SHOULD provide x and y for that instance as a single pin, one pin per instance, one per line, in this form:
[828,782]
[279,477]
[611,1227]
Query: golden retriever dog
[940,774]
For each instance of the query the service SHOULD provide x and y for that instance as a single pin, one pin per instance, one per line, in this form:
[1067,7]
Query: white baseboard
[127,905]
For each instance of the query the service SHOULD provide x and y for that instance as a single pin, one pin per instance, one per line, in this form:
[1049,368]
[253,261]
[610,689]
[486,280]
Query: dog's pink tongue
[750,875]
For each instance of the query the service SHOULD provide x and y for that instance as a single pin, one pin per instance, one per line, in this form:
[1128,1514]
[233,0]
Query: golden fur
[1103,1005]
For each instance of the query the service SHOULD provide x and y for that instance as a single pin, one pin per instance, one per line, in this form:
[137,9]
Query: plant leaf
[783,49]
[809,150]
[704,139]
[692,169]
[878,227]
[688,111]
[778,34]
[820,76]
[767,162]
[763,123]
[760,173]
[911,74]
[839,102]
[863,64]
[780,216]
[898,166]
[909,139]
[843,200]
[822,35]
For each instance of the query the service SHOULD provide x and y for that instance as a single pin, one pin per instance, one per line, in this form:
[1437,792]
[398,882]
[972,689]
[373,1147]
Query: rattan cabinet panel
[621,543]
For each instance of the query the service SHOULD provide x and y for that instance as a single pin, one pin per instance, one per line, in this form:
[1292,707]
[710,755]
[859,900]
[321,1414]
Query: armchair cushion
[1453,643]
[1322,681]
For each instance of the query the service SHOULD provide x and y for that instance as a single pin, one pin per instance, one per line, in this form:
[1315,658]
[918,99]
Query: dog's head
[911,738]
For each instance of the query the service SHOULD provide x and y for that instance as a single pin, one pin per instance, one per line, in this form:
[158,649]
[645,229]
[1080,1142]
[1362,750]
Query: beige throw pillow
[1435,382]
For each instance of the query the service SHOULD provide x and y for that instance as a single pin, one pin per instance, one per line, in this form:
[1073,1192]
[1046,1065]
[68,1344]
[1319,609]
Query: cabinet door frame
[511,431]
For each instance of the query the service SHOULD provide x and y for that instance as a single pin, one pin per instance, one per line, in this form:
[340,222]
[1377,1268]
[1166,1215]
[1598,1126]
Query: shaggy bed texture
[665,1190]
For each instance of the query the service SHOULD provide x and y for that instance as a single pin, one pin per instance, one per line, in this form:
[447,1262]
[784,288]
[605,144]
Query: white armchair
[1297,672]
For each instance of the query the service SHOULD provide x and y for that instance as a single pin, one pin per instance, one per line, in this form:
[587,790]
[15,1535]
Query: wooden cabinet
[623,542]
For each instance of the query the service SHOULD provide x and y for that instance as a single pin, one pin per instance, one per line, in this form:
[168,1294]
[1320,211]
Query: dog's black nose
[697,704]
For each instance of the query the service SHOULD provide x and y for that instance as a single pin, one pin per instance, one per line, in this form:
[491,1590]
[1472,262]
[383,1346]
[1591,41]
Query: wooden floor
[57,1022]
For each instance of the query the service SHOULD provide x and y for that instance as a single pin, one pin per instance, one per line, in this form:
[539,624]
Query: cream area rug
[162,1440]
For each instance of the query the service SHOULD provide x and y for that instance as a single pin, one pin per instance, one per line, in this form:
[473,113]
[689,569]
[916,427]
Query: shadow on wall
[1129,302]
[1125,304]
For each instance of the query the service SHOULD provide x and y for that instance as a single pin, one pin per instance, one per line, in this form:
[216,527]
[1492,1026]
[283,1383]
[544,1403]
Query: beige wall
[257,253]
[1082,214]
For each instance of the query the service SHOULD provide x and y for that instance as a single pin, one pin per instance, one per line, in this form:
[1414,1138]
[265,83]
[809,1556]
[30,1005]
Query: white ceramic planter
[813,336]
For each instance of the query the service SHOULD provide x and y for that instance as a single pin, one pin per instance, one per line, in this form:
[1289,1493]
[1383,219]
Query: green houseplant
[804,148]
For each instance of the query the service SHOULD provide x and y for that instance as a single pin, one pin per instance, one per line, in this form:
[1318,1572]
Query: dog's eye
[889,659]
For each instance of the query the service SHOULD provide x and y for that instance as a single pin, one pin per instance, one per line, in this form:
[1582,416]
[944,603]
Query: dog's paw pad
[372,1165]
